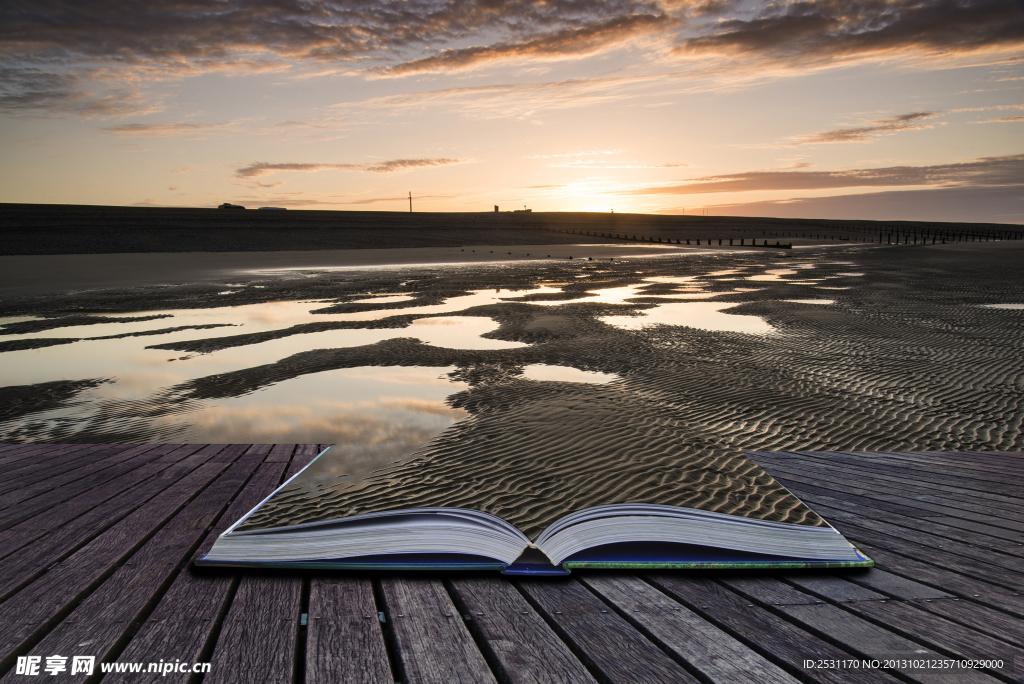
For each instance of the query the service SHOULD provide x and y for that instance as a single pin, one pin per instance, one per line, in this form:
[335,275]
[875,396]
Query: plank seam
[768,655]
[775,610]
[499,672]
[580,654]
[44,628]
[119,645]
[206,653]
[390,639]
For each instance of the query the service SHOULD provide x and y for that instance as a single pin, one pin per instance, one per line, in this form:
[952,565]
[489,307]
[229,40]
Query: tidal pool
[704,315]
[544,372]
[134,385]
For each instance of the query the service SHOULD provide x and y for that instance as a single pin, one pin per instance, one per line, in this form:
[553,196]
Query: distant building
[522,211]
[495,208]
[272,208]
[228,205]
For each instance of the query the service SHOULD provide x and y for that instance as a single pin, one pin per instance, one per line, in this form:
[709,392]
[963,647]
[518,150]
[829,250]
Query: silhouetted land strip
[101,565]
[84,229]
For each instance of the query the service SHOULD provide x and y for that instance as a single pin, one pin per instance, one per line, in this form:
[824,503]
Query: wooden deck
[96,543]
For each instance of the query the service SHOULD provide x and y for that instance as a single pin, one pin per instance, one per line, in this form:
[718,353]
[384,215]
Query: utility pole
[410,201]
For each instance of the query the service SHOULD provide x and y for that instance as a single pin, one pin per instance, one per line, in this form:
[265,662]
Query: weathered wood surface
[97,544]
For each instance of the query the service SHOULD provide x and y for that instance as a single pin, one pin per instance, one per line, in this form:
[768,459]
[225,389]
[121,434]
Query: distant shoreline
[34,229]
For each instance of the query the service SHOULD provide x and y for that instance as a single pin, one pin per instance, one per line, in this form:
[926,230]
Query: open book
[322,519]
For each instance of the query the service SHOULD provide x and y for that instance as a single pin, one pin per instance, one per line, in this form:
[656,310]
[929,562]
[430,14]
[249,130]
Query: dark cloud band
[391,166]
[989,171]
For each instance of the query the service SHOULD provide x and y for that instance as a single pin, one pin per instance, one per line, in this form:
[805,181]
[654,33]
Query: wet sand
[54,273]
[905,357]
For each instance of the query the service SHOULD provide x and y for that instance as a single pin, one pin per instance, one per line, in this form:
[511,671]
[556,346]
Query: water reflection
[774,274]
[342,406]
[810,301]
[545,372]
[704,315]
[375,415]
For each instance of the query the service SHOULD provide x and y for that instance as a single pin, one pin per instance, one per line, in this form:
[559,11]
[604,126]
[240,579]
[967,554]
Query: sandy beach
[703,353]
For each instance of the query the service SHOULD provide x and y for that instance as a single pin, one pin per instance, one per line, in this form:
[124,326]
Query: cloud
[24,89]
[391,166]
[513,99]
[1005,119]
[100,58]
[987,171]
[153,130]
[902,122]
[1000,204]
[240,30]
[829,31]
[566,43]
[63,49]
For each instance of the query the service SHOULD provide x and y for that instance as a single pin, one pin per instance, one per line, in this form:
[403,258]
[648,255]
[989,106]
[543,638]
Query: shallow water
[324,407]
[388,411]
[543,372]
[704,315]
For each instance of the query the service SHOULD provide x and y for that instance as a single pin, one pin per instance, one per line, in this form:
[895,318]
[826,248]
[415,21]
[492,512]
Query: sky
[856,109]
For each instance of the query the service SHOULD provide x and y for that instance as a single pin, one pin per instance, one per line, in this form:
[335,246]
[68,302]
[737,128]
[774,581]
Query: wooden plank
[1014,536]
[937,463]
[958,504]
[932,464]
[71,478]
[859,497]
[911,493]
[1007,557]
[989,537]
[94,488]
[102,619]
[28,455]
[713,653]
[894,586]
[433,643]
[21,474]
[186,620]
[775,638]
[603,640]
[266,609]
[519,644]
[886,482]
[257,641]
[17,452]
[832,586]
[1004,577]
[281,453]
[344,642]
[1001,539]
[978,617]
[938,633]
[925,499]
[22,565]
[947,577]
[916,505]
[977,465]
[864,638]
[24,532]
[39,605]
[304,453]
[965,488]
